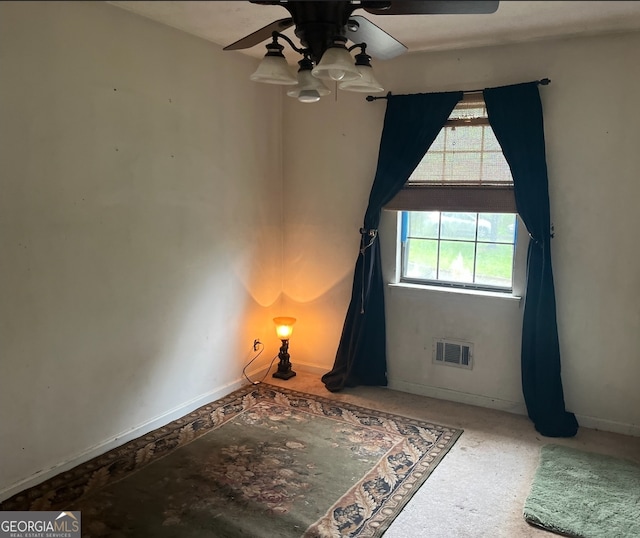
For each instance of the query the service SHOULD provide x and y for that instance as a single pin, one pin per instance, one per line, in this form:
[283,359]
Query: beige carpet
[480,489]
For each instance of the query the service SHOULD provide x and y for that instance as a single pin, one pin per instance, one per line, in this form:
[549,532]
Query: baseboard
[605,425]
[143,429]
[460,397]
[518,408]
[120,439]
[311,368]
[183,409]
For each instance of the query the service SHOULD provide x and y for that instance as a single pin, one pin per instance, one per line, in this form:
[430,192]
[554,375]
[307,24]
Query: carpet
[584,494]
[261,462]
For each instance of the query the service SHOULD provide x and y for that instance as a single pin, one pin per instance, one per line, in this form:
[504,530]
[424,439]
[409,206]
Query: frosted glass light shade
[336,64]
[367,83]
[309,88]
[284,327]
[274,70]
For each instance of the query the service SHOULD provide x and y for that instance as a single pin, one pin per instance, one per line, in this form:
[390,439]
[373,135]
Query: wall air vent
[453,353]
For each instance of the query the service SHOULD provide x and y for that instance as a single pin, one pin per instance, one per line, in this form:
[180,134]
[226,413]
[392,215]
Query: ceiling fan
[324,27]
[317,23]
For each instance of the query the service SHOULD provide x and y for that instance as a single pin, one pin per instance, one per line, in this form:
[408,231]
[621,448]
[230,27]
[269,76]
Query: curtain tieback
[537,241]
[368,236]
[367,239]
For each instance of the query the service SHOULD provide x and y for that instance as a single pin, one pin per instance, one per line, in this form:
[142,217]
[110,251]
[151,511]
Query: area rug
[261,462]
[584,494]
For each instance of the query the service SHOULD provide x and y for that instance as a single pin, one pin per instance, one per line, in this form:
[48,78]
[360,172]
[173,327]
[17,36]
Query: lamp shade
[284,327]
[274,70]
[309,88]
[367,83]
[336,64]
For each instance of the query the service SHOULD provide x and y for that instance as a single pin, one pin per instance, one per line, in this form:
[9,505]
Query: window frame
[403,258]
[390,237]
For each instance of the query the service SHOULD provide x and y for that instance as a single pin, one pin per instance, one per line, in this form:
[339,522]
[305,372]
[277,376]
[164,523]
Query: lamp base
[284,375]
[284,366]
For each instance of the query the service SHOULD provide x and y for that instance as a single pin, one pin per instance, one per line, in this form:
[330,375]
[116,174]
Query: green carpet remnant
[584,494]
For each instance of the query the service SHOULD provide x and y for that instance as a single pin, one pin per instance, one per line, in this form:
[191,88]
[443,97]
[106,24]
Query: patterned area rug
[262,462]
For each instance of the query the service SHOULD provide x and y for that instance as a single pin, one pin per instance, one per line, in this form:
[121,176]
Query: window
[455,248]
[458,217]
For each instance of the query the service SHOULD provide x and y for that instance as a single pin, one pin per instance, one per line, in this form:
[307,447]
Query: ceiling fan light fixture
[274,69]
[367,83]
[336,63]
[309,88]
[308,96]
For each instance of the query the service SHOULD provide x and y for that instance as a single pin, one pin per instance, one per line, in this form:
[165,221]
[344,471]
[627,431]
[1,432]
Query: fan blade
[379,43]
[436,7]
[261,35]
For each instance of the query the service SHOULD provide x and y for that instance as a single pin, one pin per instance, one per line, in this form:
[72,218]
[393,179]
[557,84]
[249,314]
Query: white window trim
[451,289]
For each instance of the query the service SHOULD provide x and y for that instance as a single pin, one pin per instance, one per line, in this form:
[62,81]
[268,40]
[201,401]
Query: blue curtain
[515,114]
[411,124]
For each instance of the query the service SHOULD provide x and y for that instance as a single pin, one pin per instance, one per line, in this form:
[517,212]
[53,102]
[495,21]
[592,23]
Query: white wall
[140,227]
[331,150]
[591,118]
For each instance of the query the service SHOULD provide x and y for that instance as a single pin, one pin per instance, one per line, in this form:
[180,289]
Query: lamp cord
[244,370]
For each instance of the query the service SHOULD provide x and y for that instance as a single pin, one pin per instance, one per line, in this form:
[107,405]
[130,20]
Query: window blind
[464,169]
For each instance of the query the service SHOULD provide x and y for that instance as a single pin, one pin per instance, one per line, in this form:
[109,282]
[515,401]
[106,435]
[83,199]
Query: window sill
[459,291]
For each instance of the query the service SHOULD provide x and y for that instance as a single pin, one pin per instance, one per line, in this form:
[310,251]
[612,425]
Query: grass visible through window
[473,249]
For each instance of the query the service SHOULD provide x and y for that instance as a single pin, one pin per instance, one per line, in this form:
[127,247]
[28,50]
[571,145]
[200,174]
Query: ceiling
[514,21]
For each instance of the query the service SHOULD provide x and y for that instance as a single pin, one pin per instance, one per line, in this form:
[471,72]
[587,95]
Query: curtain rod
[370,98]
